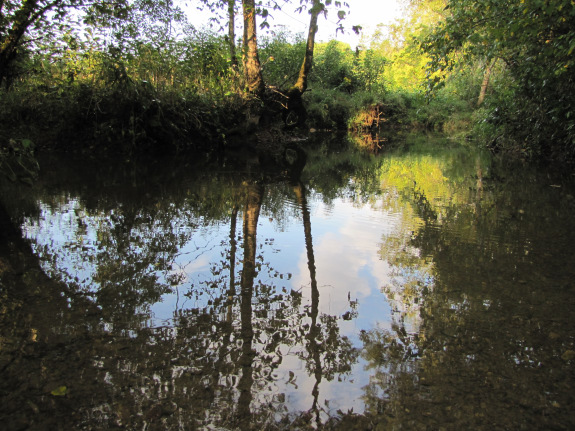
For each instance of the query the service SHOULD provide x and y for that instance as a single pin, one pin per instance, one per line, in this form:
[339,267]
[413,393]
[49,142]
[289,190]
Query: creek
[429,286]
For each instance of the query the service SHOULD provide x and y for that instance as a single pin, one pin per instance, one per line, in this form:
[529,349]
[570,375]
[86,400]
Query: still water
[425,287]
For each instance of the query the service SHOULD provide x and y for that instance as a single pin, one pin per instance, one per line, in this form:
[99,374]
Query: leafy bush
[281,58]
[333,67]
[534,42]
[180,95]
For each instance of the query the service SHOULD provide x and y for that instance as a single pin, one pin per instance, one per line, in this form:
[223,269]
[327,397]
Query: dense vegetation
[138,76]
[465,247]
[526,48]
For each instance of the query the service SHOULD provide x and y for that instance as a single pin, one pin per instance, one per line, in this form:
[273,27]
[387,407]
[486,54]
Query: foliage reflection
[150,300]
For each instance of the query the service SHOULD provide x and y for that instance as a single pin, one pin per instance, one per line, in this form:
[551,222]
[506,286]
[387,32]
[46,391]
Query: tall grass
[184,94]
[181,96]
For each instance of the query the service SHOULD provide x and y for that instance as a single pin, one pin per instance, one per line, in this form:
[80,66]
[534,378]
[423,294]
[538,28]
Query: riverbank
[136,118]
[110,114]
[133,119]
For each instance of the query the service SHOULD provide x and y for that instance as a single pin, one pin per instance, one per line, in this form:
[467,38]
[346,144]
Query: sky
[367,13]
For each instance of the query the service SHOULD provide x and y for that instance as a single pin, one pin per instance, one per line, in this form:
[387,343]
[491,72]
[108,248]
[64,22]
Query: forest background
[136,75]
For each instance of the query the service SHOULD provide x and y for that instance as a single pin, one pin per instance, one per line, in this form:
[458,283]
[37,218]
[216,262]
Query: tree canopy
[535,40]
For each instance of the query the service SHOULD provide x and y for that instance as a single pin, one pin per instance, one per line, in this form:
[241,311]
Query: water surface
[426,287]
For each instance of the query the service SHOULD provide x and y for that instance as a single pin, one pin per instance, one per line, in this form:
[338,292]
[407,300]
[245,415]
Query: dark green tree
[535,40]
[19,20]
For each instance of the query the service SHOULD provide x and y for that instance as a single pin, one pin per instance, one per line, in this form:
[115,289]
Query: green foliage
[343,84]
[329,108]
[448,109]
[133,85]
[535,40]
[333,66]
[281,57]
[123,79]
[178,96]
[396,72]
[47,22]
[369,70]
[337,66]
[398,42]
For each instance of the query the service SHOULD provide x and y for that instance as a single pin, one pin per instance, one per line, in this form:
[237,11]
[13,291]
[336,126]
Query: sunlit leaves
[535,40]
[60,391]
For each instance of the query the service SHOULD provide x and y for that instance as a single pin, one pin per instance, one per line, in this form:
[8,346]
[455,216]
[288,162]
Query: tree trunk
[301,83]
[485,83]
[8,53]
[295,113]
[232,34]
[233,249]
[252,66]
[23,18]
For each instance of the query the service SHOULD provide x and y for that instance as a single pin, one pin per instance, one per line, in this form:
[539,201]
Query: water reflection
[430,287]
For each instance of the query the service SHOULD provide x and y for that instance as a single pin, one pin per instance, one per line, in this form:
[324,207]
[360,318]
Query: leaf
[27,180]
[60,391]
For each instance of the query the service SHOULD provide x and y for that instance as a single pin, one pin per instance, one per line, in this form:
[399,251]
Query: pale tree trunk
[485,83]
[252,66]
[295,112]
[301,83]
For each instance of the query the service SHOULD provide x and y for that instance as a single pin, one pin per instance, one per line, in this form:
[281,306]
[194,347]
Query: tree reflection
[486,352]
[251,216]
[36,335]
[107,364]
[327,353]
[315,328]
